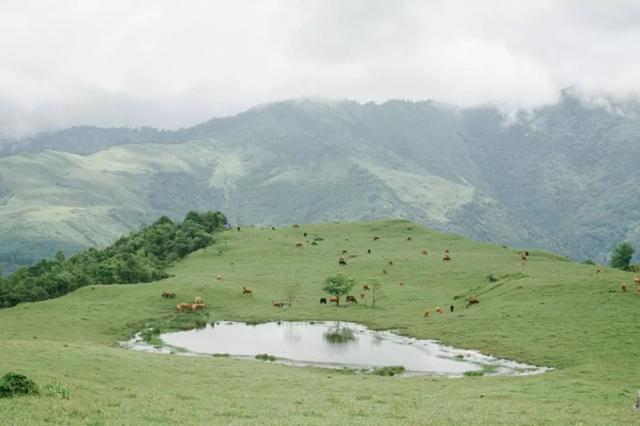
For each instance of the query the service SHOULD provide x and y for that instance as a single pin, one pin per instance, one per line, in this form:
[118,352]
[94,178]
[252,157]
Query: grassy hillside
[547,312]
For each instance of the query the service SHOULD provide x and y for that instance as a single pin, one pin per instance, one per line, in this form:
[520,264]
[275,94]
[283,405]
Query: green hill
[547,311]
[562,177]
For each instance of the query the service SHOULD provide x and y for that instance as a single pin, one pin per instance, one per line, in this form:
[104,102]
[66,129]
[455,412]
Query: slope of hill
[547,312]
[563,177]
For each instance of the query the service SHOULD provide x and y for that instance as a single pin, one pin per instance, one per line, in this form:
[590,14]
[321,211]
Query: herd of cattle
[342,261]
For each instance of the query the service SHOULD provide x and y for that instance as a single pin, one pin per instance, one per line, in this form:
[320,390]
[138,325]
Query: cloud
[169,64]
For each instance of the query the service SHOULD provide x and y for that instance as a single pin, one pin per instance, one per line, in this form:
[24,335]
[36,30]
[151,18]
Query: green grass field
[547,312]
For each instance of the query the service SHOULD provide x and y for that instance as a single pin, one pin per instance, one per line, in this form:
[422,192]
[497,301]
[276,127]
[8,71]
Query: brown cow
[446,257]
[472,301]
[624,287]
[197,306]
[199,300]
[246,290]
[636,280]
[219,277]
[183,307]
[352,299]
[333,299]
[168,294]
[439,309]
[296,226]
[365,287]
[299,244]
[277,304]
[426,313]
[599,270]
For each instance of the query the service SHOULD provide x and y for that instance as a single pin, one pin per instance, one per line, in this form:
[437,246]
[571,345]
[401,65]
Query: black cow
[323,301]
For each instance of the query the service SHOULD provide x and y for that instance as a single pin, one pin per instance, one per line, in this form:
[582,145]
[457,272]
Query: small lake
[333,345]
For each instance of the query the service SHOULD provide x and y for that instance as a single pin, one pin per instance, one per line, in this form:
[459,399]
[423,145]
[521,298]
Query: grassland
[546,312]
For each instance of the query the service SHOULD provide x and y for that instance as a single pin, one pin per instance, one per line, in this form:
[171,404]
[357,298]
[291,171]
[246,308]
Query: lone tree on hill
[621,256]
[338,286]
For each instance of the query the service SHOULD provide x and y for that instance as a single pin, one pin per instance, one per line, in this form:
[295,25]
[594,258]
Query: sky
[170,64]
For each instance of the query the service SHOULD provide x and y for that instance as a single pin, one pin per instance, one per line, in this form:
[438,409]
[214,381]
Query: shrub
[388,371]
[265,357]
[589,262]
[12,384]
[473,373]
[491,278]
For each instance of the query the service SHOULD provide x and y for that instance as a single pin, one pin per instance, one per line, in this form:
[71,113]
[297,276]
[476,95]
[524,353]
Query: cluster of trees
[141,256]
[621,256]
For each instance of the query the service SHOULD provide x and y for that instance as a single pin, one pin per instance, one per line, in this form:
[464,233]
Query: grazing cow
[523,257]
[277,304]
[368,251]
[409,238]
[426,313]
[365,287]
[168,294]
[624,287]
[376,238]
[333,299]
[472,301]
[446,257]
[296,226]
[220,277]
[636,280]
[424,252]
[362,296]
[439,309]
[246,290]
[451,308]
[342,262]
[197,306]
[323,300]
[183,307]
[199,300]
[298,245]
[599,270]
[352,299]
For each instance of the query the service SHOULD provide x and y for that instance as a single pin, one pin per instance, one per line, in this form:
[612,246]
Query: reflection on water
[334,344]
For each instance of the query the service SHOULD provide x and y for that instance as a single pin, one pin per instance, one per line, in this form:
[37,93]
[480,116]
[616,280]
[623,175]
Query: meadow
[545,311]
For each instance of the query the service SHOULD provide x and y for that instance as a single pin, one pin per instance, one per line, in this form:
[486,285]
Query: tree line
[141,256]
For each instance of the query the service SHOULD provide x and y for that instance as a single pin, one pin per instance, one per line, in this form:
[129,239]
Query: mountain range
[563,177]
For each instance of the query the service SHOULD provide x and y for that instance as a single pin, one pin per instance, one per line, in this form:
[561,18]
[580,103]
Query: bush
[473,373]
[388,371]
[589,262]
[491,278]
[12,384]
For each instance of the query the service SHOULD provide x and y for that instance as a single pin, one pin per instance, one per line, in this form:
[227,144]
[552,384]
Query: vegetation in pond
[339,335]
[392,370]
[265,357]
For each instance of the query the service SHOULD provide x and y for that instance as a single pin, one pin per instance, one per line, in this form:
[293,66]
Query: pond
[333,345]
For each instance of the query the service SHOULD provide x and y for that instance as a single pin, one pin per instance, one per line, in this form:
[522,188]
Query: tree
[338,286]
[376,292]
[621,256]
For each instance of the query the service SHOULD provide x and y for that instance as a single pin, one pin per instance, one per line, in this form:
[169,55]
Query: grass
[547,312]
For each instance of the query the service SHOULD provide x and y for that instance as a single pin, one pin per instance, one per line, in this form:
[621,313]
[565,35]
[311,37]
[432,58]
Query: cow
[323,300]
[277,304]
[199,300]
[342,262]
[344,252]
[197,306]
[246,290]
[168,294]
[296,226]
[362,296]
[599,270]
[376,238]
[451,308]
[446,251]
[401,284]
[624,287]
[636,280]
[523,257]
[304,235]
[446,258]
[352,299]
[368,251]
[472,301]
[409,238]
[333,299]
[384,271]
[439,309]
[424,252]
[426,313]
[298,245]
[219,277]
[365,287]
[238,228]
[390,262]
[183,307]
